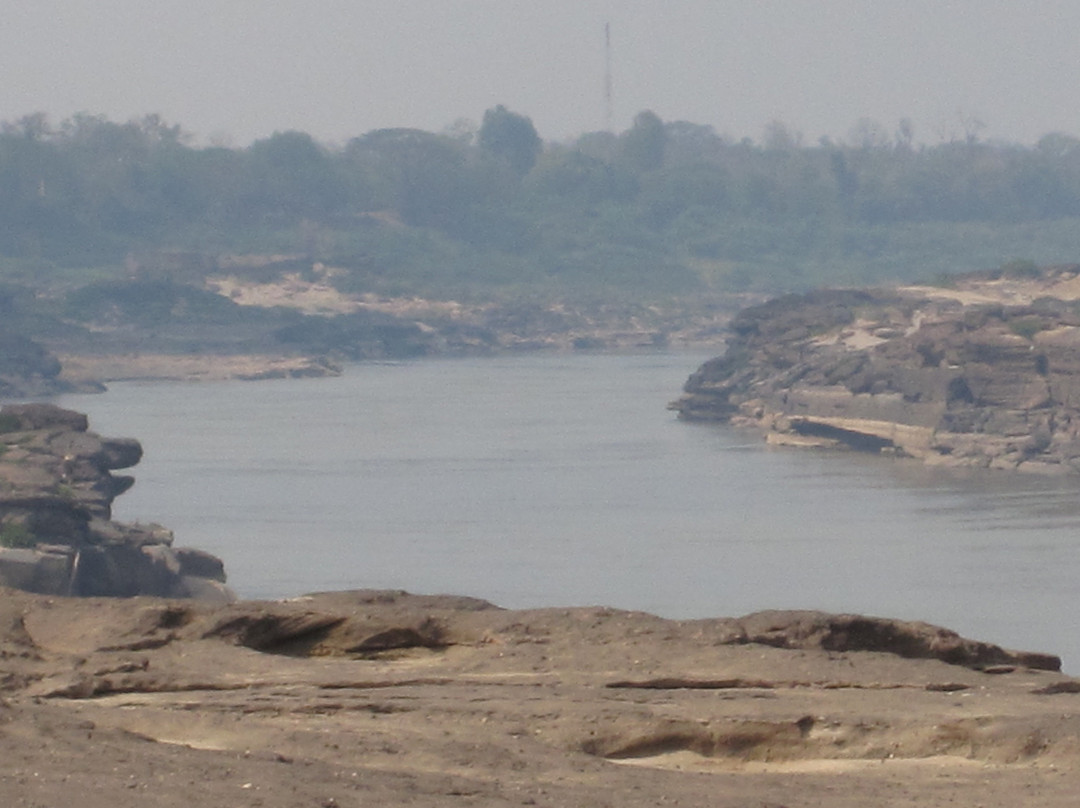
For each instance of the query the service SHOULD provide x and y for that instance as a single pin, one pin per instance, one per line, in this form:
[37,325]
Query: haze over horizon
[237,70]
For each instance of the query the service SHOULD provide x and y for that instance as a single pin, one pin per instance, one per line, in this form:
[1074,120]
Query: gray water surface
[562,480]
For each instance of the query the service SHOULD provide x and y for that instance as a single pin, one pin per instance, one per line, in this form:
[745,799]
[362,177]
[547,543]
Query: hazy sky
[339,68]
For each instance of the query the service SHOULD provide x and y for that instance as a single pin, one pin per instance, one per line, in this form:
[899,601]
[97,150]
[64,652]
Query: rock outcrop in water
[983,374]
[56,532]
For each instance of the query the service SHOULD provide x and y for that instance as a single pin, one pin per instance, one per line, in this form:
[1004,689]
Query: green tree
[568,175]
[643,144]
[668,193]
[291,177]
[511,137]
[424,177]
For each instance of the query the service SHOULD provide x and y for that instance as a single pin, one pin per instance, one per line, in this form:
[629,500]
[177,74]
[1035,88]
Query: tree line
[663,206]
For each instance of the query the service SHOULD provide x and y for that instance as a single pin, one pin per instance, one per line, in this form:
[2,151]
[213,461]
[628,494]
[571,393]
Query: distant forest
[663,208]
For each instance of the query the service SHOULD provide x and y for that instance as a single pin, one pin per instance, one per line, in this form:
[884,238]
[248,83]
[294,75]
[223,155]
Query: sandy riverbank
[80,369]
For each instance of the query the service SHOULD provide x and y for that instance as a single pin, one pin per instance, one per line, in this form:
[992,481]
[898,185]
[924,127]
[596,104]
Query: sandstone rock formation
[986,373]
[56,532]
[384,698]
[346,625]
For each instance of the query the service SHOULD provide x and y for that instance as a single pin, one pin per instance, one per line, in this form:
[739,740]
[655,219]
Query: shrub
[1027,327]
[1020,268]
[15,534]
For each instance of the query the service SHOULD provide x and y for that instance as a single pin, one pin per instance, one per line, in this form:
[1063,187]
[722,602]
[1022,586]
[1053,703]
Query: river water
[544,480]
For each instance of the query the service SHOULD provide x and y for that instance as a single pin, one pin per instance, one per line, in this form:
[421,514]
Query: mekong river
[544,480]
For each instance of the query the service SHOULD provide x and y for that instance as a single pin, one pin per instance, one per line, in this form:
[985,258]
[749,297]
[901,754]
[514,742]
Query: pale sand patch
[968,296]
[859,338]
[799,441]
[856,336]
[1009,291]
[420,307]
[687,761]
[319,297]
[843,765]
[206,744]
[201,367]
[292,291]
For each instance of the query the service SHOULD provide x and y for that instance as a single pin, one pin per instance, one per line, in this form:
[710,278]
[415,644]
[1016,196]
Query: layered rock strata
[56,532]
[985,374]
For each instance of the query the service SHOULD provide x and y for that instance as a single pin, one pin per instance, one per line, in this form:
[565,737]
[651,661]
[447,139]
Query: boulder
[202,589]
[200,564]
[45,570]
[56,532]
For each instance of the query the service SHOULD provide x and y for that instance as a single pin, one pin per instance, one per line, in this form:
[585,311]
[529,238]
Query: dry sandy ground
[364,699]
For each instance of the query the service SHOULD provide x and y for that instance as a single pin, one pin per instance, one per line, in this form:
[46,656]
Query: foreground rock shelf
[983,373]
[56,532]
[364,698]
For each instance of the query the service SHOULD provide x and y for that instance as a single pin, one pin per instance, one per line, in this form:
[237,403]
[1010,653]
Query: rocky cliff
[984,373]
[56,532]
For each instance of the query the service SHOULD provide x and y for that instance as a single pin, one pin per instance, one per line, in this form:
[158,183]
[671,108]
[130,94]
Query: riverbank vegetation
[492,211]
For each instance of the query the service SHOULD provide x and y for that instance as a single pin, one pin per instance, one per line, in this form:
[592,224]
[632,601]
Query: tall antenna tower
[608,107]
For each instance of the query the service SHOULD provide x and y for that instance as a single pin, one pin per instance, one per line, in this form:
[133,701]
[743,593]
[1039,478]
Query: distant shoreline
[84,371]
[81,369]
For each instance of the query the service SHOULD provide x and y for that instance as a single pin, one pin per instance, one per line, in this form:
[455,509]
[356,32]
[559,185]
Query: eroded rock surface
[984,374]
[56,530]
[384,698]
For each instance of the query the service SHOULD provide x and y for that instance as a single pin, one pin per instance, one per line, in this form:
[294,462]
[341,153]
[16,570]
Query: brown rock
[123,703]
[917,372]
[57,489]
